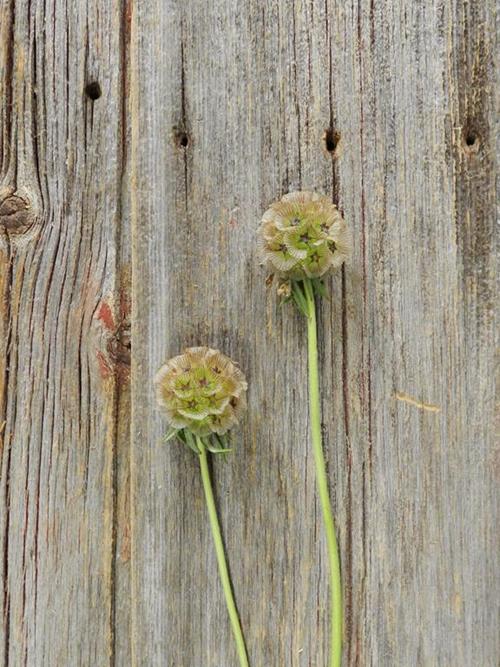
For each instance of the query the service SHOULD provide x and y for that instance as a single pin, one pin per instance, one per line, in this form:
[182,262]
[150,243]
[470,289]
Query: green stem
[221,558]
[322,482]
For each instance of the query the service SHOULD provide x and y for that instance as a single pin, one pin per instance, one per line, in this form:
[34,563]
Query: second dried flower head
[202,393]
[303,236]
[201,390]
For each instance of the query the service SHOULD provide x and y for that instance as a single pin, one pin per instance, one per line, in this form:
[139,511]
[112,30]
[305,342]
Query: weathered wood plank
[389,107]
[230,105]
[62,335]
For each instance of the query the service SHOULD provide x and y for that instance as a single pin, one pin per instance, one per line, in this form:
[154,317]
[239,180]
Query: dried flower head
[201,390]
[303,236]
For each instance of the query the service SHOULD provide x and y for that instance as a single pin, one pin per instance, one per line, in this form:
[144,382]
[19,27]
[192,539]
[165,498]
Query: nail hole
[331,139]
[93,90]
[181,138]
[470,140]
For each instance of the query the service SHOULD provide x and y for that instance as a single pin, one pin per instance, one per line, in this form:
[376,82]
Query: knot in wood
[119,346]
[16,214]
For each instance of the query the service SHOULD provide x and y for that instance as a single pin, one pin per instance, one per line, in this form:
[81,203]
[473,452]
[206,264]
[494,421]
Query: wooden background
[128,212]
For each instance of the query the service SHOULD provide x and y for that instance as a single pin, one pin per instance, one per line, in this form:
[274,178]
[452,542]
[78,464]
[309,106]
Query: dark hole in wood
[93,90]
[470,139]
[182,139]
[331,139]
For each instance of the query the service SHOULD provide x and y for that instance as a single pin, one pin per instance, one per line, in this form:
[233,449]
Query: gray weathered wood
[209,111]
[62,335]
[407,335]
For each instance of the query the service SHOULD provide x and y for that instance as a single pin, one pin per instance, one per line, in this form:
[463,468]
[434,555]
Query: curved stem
[221,558]
[322,482]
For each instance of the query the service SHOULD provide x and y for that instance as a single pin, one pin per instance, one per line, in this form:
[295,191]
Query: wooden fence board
[139,209]
[62,330]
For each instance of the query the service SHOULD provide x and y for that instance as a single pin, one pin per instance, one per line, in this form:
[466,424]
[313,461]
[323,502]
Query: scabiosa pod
[202,393]
[302,237]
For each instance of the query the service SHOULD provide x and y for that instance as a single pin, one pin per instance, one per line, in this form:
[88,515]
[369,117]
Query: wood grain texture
[407,336]
[209,112]
[62,318]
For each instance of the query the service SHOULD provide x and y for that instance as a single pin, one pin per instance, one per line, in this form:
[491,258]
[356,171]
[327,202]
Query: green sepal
[319,288]
[218,444]
[171,433]
[299,298]
[181,435]
[190,441]
[285,299]
[216,450]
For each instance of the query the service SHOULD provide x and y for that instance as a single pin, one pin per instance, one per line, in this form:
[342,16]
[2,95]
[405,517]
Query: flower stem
[221,558]
[322,481]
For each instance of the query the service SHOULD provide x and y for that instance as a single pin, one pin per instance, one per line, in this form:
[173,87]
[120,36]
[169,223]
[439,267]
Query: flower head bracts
[303,236]
[202,393]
